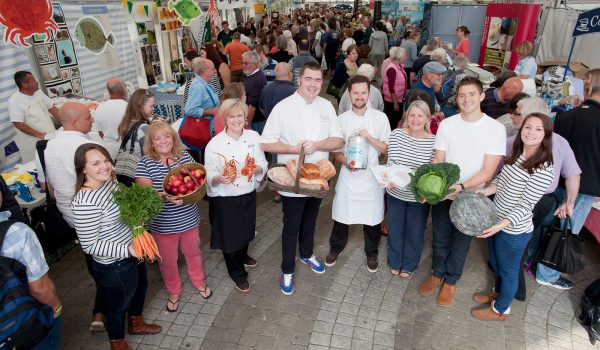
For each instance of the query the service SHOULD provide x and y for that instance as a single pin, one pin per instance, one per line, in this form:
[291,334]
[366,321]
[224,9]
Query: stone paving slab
[345,308]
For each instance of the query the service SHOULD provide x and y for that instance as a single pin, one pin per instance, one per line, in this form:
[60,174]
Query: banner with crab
[23,19]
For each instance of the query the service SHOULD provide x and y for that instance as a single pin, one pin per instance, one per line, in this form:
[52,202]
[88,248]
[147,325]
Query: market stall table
[169,105]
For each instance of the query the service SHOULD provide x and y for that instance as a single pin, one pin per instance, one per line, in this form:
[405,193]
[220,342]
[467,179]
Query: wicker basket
[296,187]
[199,193]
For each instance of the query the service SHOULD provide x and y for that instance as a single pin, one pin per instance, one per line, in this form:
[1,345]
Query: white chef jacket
[33,111]
[225,145]
[107,117]
[293,120]
[358,198]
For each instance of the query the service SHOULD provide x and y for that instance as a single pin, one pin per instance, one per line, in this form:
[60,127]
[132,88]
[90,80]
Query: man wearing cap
[431,81]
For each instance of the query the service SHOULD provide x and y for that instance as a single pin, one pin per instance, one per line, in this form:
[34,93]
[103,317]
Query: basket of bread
[310,179]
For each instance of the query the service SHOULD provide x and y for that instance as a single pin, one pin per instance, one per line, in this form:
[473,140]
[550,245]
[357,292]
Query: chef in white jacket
[358,198]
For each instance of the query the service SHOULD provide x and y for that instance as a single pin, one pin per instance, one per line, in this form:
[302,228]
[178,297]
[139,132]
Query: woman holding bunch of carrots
[176,225]
[104,236]
[234,166]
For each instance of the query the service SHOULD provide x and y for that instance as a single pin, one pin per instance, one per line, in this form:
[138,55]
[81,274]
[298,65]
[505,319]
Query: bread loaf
[281,176]
[292,168]
[314,184]
[326,168]
[310,171]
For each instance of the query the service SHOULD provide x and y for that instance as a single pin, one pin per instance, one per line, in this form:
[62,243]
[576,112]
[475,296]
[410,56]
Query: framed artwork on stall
[65,73]
[50,72]
[57,14]
[62,34]
[77,86]
[51,52]
[40,38]
[59,89]
[141,28]
[66,53]
[74,71]
[41,53]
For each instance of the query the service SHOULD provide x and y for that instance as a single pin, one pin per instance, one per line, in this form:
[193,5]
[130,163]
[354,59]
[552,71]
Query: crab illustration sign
[23,19]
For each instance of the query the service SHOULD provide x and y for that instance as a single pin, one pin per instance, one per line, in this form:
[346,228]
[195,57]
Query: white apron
[38,118]
[358,199]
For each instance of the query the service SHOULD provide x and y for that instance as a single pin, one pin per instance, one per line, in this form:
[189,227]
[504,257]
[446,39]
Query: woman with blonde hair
[176,225]
[526,67]
[411,146]
[233,192]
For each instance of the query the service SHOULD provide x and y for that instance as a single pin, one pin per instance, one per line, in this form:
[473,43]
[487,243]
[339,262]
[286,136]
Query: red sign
[505,26]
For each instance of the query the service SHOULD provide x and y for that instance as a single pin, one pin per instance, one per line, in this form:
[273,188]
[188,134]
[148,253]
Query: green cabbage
[432,181]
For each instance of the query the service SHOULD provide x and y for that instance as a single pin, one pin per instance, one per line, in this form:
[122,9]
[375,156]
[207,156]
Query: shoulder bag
[127,160]
[560,249]
[196,131]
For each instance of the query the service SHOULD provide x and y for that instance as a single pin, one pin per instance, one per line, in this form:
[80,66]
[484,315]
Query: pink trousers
[168,246]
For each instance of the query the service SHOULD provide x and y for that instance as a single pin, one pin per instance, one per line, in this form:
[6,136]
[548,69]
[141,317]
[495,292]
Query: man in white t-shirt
[476,143]
[59,176]
[109,114]
[31,113]
[315,127]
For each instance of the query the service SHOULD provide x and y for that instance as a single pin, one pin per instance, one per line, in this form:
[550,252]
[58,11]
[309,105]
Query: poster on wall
[505,26]
[19,28]
[413,10]
[66,53]
[186,10]
[94,33]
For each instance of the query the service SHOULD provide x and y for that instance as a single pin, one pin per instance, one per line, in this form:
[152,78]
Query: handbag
[560,249]
[127,160]
[196,131]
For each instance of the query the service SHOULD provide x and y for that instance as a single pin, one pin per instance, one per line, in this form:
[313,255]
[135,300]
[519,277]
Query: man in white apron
[31,113]
[358,198]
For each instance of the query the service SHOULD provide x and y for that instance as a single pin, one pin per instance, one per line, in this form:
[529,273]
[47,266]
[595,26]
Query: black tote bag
[560,249]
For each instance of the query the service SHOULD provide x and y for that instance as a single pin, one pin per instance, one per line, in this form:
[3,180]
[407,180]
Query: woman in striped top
[411,146]
[176,225]
[526,175]
[102,234]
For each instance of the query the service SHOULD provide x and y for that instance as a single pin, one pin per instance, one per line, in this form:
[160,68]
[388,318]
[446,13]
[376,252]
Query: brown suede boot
[119,344]
[485,298]
[488,314]
[446,295]
[136,325]
[428,287]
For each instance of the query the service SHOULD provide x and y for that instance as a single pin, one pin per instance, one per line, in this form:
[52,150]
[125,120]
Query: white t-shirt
[60,168]
[18,103]
[466,143]
[107,118]
[293,120]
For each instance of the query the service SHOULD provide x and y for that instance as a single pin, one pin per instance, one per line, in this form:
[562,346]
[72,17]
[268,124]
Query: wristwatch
[462,187]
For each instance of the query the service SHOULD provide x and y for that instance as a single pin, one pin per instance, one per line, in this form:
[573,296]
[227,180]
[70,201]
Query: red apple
[187,179]
[190,185]
[201,181]
[184,172]
[176,183]
[182,189]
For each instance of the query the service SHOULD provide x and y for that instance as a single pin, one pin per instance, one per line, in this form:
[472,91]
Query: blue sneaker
[314,264]
[286,283]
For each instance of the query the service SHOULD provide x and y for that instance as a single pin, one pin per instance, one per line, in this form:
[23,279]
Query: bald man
[495,102]
[59,176]
[281,88]
[109,114]
[202,98]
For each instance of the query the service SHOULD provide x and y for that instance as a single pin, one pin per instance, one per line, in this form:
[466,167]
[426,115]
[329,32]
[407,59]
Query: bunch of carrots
[139,205]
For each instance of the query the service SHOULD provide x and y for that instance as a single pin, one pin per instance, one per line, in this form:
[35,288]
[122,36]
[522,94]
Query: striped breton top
[99,228]
[406,150]
[172,218]
[518,192]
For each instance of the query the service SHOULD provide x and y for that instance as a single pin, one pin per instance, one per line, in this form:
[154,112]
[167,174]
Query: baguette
[292,167]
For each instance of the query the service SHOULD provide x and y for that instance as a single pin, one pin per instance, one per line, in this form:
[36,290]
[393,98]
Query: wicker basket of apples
[186,182]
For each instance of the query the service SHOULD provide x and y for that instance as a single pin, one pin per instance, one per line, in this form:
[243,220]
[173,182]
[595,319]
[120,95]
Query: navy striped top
[518,192]
[99,228]
[173,217]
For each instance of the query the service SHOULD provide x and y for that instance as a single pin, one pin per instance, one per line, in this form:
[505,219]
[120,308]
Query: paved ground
[347,307]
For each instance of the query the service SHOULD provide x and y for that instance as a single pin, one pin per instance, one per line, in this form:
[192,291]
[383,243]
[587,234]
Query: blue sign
[588,22]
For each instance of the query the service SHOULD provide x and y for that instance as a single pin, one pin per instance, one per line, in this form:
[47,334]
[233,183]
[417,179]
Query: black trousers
[339,238]
[541,209]
[393,116]
[235,264]
[299,222]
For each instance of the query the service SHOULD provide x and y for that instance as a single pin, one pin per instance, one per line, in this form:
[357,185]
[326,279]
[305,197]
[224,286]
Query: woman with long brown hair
[119,273]
[212,53]
[526,175]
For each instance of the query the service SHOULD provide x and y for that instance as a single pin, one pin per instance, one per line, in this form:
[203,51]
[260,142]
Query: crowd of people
[261,86]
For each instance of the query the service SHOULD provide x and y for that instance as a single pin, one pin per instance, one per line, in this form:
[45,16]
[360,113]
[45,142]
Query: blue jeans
[583,205]
[406,230]
[450,246]
[52,340]
[506,251]
[124,283]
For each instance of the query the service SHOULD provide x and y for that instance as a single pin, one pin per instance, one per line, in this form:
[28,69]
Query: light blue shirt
[201,96]
[527,66]
[22,244]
